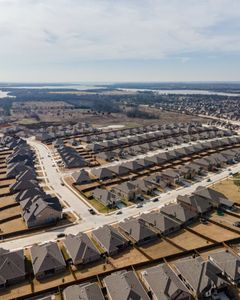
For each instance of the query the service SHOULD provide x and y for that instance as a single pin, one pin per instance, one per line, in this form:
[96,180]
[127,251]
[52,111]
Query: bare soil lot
[8,200]
[159,249]
[188,240]
[229,189]
[215,232]
[126,258]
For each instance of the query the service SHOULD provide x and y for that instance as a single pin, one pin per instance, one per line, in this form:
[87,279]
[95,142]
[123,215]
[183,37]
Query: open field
[229,189]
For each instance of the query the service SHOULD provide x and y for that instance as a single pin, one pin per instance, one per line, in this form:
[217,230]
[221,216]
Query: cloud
[71,31]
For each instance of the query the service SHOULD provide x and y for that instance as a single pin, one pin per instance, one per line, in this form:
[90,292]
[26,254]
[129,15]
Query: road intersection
[87,221]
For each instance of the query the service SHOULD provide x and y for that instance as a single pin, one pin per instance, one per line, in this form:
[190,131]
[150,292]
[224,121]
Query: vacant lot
[226,220]
[126,258]
[229,189]
[5,201]
[16,291]
[215,232]
[188,240]
[159,249]
[205,254]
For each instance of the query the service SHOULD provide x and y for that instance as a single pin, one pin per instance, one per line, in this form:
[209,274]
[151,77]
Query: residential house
[195,203]
[12,267]
[180,213]
[102,173]
[81,177]
[124,285]
[216,199]
[107,198]
[229,264]
[161,222]
[85,291]
[42,212]
[47,260]
[137,231]
[200,276]
[163,283]
[119,170]
[109,239]
[81,249]
[157,180]
[171,176]
[133,166]
[128,190]
[21,185]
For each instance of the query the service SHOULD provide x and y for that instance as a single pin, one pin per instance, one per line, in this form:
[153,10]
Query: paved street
[89,221]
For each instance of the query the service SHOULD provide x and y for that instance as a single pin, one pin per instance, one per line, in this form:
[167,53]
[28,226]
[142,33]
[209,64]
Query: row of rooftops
[38,208]
[112,151]
[71,158]
[136,165]
[161,180]
[52,132]
[48,260]
[184,279]
[166,129]
[169,219]
[219,108]
[162,137]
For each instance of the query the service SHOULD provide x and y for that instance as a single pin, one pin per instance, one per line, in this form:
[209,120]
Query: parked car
[61,235]
[92,211]
[119,212]
[155,200]
[139,205]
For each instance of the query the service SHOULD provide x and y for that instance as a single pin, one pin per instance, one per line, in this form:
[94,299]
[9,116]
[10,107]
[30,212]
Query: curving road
[87,221]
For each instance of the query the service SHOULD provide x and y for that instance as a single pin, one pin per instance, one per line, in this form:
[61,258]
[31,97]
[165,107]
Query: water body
[3,94]
[184,92]
[67,87]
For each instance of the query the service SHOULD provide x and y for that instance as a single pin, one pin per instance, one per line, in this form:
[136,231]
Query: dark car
[92,211]
[61,235]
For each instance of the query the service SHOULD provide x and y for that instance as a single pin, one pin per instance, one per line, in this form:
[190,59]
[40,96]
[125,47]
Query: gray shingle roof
[109,238]
[125,285]
[200,274]
[160,221]
[46,257]
[88,291]
[12,265]
[214,196]
[164,283]
[228,262]
[81,248]
[137,230]
[181,213]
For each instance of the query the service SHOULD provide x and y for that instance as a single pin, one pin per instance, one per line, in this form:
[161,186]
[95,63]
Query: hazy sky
[119,40]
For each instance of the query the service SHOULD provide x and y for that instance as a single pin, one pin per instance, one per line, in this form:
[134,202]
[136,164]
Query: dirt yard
[215,232]
[188,240]
[159,249]
[229,189]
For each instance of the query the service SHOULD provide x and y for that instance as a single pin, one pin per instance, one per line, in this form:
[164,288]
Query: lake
[184,92]
[3,94]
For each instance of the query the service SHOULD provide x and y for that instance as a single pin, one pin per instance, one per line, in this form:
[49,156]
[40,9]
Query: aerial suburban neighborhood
[119,150]
[119,212]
